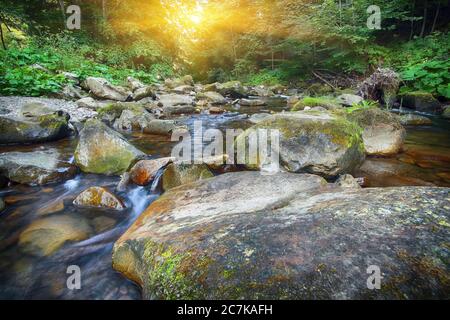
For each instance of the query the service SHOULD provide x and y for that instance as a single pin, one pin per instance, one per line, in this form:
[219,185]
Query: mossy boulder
[313,142]
[43,128]
[319,89]
[446,113]
[45,236]
[212,97]
[177,174]
[233,89]
[113,111]
[325,102]
[290,236]
[383,133]
[102,150]
[420,101]
[36,167]
[174,83]
[99,197]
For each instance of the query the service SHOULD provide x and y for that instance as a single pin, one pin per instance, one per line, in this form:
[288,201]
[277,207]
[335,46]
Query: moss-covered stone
[177,174]
[249,236]
[420,101]
[102,150]
[325,102]
[99,197]
[312,141]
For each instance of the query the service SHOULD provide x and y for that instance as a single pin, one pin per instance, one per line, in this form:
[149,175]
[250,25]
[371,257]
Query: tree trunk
[436,17]
[1,36]
[104,9]
[424,24]
[63,12]
[411,35]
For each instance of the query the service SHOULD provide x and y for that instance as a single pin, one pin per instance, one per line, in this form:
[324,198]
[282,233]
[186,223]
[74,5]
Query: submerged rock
[177,174]
[313,142]
[44,237]
[259,117]
[102,89]
[252,102]
[144,171]
[98,197]
[35,168]
[383,133]
[249,236]
[44,128]
[102,150]
[415,120]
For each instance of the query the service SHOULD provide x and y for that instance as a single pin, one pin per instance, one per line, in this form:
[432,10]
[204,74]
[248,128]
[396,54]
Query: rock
[382,85]
[71,77]
[446,113]
[277,89]
[45,236]
[185,89]
[349,100]
[415,120]
[174,83]
[292,100]
[88,103]
[252,103]
[259,117]
[35,110]
[36,167]
[102,89]
[2,205]
[124,182]
[216,110]
[144,92]
[211,87]
[98,197]
[325,102]
[71,92]
[49,127]
[383,133]
[234,89]
[102,150]
[171,100]
[347,181]
[177,174]
[248,236]
[102,224]
[162,127]
[131,120]
[262,91]
[110,112]
[180,109]
[145,171]
[420,101]
[212,97]
[313,142]
[134,84]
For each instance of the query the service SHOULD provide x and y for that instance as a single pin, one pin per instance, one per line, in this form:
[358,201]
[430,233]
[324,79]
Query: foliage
[267,77]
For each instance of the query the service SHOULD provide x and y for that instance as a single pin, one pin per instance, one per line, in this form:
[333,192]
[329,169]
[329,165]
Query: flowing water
[426,160]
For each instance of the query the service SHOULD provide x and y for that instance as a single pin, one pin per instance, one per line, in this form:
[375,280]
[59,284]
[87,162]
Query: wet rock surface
[99,197]
[248,236]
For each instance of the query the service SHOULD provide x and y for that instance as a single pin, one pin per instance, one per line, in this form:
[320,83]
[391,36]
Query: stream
[425,160]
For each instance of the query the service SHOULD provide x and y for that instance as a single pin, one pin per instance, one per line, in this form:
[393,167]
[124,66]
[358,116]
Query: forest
[224,150]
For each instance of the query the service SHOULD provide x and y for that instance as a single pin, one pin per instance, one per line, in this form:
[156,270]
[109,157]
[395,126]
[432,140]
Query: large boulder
[177,174]
[349,100]
[44,128]
[102,150]
[36,167]
[381,86]
[313,142]
[174,83]
[420,101]
[144,92]
[102,89]
[99,197]
[130,120]
[383,133]
[45,236]
[173,99]
[249,236]
[109,113]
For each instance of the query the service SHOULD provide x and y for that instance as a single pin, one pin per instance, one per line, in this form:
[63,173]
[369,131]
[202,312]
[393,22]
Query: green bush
[267,77]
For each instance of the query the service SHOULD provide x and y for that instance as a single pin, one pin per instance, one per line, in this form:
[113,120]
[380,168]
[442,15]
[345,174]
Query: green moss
[172,275]
[326,102]
[318,89]
[367,117]
[116,109]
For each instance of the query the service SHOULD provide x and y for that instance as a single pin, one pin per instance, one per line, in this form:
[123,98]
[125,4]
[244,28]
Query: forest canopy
[255,41]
